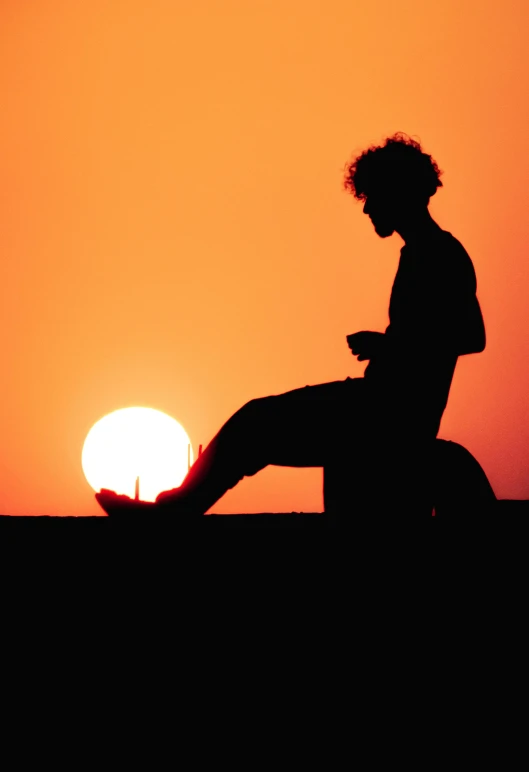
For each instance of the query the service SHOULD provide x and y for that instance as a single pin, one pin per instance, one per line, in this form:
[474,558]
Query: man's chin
[384,232]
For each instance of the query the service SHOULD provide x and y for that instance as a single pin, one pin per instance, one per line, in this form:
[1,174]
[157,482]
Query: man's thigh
[303,427]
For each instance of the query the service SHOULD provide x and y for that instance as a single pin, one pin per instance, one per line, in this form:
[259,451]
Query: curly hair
[399,164]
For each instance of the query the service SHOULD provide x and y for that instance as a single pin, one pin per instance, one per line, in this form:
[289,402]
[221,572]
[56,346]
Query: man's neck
[418,229]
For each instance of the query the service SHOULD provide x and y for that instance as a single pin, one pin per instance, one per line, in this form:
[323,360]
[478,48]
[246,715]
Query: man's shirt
[434,314]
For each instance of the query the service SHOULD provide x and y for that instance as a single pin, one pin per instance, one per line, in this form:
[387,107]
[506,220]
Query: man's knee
[256,408]
[250,416]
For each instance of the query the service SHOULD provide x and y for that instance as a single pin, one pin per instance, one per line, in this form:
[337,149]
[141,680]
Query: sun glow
[136,442]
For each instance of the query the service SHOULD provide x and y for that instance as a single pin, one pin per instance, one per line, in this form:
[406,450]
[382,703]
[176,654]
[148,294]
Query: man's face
[382,211]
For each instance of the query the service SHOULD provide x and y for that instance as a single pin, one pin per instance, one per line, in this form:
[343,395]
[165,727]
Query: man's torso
[433,304]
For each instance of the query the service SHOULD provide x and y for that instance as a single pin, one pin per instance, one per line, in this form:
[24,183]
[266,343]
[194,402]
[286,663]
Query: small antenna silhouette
[137,489]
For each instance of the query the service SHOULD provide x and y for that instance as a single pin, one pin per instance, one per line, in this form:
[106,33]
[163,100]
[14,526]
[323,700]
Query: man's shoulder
[454,261]
[453,246]
[449,249]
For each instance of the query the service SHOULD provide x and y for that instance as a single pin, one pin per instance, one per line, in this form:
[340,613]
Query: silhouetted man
[434,317]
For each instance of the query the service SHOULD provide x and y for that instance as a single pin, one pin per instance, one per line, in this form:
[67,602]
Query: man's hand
[365,344]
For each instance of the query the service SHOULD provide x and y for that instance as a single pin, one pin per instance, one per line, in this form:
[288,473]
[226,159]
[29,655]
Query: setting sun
[136,442]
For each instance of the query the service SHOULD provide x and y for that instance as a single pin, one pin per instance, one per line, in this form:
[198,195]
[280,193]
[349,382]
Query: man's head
[395,180]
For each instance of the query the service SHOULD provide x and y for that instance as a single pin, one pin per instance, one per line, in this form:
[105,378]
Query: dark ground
[115,560]
[505,508]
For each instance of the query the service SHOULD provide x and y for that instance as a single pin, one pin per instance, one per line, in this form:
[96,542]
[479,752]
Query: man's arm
[473,338]
[428,339]
[441,314]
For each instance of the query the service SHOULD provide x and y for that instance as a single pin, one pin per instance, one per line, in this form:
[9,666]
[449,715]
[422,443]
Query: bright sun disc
[136,442]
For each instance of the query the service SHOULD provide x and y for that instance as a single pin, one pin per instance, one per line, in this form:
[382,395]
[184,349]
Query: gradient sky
[174,232]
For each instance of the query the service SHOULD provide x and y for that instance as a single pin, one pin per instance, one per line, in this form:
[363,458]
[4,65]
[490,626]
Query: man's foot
[166,496]
[166,504]
[172,502]
[116,505]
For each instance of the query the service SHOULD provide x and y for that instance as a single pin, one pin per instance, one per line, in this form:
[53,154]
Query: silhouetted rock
[444,477]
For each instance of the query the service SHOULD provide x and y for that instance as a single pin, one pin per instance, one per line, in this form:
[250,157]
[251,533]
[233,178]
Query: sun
[136,442]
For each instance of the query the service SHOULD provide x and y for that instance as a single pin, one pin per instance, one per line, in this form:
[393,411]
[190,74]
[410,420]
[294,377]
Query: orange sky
[174,232]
